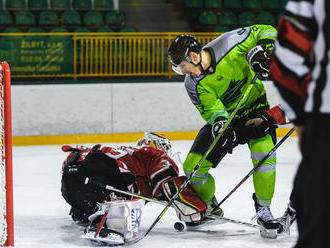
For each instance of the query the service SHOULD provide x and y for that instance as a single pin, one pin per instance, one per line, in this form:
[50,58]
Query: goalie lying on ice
[141,170]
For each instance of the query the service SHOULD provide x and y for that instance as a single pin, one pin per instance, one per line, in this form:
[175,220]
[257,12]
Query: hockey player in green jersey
[216,77]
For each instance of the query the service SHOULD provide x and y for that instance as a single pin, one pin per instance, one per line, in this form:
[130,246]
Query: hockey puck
[178,226]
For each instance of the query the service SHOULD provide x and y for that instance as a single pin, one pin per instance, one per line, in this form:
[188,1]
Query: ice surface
[42,220]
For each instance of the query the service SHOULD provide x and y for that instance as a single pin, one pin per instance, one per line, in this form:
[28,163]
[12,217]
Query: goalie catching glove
[188,206]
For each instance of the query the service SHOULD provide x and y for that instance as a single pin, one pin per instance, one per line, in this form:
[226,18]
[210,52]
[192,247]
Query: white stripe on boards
[302,8]
[291,60]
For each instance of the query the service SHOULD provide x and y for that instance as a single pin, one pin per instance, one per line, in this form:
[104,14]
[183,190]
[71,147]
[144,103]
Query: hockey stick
[108,187]
[256,167]
[104,217]
[215,141]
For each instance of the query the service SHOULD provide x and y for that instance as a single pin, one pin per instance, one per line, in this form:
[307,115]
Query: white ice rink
[42,220]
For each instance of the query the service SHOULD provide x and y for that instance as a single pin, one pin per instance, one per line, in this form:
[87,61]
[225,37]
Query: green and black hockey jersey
[217,93]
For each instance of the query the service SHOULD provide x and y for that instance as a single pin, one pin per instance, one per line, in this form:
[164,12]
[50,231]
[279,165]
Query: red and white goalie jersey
[150,167]
[145,168]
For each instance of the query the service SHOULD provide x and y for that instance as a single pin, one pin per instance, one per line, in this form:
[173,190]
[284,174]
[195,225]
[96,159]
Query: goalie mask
[156,140]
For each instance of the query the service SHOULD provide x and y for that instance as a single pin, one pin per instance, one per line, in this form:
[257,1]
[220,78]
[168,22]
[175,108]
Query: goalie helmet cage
[6,188]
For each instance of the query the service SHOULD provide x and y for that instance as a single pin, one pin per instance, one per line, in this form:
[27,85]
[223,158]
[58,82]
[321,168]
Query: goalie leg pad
[123,216]
[188,205]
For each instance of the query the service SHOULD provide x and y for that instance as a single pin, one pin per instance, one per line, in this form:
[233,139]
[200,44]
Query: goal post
[6,178]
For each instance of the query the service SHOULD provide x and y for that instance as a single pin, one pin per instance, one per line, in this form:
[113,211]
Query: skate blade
[268,233]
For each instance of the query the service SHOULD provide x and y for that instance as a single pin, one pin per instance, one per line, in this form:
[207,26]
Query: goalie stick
[108,187]
[111,188]
[256,167]
[102,222]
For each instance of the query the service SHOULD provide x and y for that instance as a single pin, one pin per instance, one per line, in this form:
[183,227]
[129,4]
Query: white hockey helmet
[156,140]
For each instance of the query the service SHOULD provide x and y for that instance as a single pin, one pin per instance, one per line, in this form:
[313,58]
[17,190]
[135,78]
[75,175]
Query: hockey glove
[259,126]
[216,128]
[228,139]
[259,61]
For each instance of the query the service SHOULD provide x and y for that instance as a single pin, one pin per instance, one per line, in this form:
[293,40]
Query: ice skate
[213,216]
[268,225]
[213,209]
[287,219]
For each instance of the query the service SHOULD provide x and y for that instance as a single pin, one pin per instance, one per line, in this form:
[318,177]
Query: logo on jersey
[233,91]
[219,78]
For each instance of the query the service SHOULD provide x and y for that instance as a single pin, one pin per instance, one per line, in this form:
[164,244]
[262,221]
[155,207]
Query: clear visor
[177,69]
[183,68]
[180,68]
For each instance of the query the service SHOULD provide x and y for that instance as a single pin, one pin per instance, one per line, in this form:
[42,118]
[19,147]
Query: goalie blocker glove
[188,206]
[259,61]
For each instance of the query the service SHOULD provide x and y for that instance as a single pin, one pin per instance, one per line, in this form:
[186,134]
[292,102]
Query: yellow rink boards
[106,138]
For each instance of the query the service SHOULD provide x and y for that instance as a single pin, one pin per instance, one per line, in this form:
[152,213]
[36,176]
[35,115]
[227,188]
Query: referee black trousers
[311,193]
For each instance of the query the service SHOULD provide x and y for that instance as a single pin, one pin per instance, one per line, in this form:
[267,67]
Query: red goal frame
[7,154]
